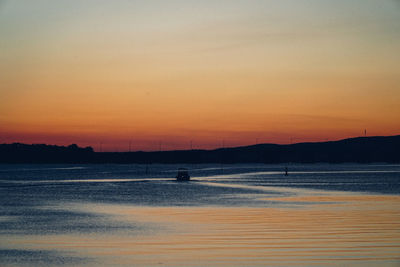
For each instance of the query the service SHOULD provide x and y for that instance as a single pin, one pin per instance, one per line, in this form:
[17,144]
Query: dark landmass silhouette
[359,149]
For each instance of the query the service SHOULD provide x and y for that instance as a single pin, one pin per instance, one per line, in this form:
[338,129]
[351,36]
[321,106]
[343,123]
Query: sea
[226,215]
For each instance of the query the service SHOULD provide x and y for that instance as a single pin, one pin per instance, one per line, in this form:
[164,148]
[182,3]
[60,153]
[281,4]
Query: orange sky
[239,71]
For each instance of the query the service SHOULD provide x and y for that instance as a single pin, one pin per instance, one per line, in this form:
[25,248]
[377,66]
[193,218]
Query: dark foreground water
[241,215]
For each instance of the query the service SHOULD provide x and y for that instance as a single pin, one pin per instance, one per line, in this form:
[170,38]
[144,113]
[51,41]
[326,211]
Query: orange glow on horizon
[147,73]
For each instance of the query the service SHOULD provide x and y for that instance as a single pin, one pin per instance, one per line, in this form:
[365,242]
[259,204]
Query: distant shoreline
[352,150]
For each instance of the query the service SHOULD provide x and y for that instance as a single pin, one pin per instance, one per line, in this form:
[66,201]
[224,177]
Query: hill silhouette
[360,149]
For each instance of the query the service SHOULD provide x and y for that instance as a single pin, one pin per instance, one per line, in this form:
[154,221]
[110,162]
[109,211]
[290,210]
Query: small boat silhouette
[183,175]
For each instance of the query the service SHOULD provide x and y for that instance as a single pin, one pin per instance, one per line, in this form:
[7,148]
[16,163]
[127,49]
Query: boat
[183,175]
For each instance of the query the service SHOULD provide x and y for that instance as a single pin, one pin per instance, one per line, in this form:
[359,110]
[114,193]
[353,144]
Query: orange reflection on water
[356,230]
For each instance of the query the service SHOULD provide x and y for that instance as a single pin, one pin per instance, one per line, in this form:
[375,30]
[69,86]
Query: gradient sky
[111,72]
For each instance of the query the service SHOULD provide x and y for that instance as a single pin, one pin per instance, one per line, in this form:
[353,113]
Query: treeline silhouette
[360,149]
[41,153]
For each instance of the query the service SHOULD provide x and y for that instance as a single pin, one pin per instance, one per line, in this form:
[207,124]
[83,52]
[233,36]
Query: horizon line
[202,149]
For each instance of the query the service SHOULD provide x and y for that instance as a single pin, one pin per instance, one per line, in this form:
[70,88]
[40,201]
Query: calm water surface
[228,215]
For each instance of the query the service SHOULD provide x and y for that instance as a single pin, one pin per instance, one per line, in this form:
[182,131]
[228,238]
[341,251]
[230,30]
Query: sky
[166,75]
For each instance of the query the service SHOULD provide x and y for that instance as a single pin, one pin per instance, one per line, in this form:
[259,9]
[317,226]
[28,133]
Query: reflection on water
[358,230]
[232,221]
